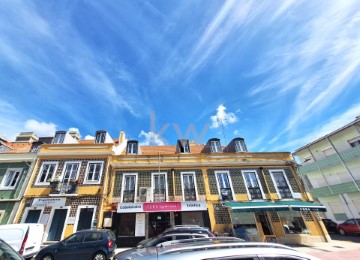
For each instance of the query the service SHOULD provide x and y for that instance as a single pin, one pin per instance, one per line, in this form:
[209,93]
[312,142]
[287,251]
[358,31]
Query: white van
[24,238]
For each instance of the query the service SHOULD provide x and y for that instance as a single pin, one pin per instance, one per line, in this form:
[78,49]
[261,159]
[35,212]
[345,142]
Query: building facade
[330,166]
[255,196]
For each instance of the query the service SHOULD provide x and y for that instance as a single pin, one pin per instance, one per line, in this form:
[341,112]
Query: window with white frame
[70,171]
[224,185]
[46,173]
[215,146]
[59,137]
[183,146]
[253,184]
[188,185]
[129,187]
[11,178]
[159,186]
[32,214]
[100,137]
[354,142]
[94,171]
[132,148]
[240,146]
[281,183]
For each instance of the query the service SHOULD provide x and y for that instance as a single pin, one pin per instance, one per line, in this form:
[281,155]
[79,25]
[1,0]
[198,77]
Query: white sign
[140,225]
[49,202]
[193,206]
[130,207]
[70,221]
[44,219]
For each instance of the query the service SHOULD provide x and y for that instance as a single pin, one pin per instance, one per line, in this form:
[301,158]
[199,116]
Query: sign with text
[140,225]
[161,206]
[49,202]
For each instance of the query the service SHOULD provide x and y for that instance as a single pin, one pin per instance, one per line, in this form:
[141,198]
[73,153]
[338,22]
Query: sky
[279,74]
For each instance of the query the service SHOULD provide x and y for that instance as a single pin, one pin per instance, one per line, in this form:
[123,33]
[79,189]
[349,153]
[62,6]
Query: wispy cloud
[222,118]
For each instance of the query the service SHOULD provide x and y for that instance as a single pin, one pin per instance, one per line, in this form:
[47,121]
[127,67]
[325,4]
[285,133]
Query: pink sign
[162,206]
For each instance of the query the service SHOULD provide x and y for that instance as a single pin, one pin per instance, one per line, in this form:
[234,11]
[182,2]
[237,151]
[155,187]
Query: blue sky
[277,73]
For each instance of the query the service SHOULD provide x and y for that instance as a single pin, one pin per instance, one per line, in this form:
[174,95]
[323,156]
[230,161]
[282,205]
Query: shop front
[134,222]
[288,222]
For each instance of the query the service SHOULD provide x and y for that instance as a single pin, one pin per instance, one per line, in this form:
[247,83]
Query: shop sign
[193,206]
[162,206]
[49,202]
[130,207]
[140,225]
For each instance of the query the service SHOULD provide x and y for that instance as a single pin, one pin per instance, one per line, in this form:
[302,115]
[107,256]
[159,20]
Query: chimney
[75,134]
[122,137]
[26,137]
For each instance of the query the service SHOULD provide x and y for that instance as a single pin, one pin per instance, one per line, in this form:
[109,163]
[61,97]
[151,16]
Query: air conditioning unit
[144,194]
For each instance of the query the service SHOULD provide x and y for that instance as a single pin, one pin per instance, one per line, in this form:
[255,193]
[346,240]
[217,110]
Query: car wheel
[99,256]
[342,232]
[47,257]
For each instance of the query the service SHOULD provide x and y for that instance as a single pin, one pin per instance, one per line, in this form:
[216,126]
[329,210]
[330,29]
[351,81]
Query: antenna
[223,131]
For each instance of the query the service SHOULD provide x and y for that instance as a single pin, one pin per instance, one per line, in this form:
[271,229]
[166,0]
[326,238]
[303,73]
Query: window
[252,185]
[94,171]
[59,137]
[308,159]
[183,146]
[11,179]
[70,171]
[32,214]
[100,137]
[224,185]
[240,146]
[92,236]
[129,187]
[159,186]
[215,146]
[354,143]
[76,238]
[328,151]
[188,186]
[47,173]
[293,222]
[281,184]
[132,148]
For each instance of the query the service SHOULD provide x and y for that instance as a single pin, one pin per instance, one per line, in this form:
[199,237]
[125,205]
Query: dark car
[330,225]
[182,229]
[86,244]
[350,226]
[7,252]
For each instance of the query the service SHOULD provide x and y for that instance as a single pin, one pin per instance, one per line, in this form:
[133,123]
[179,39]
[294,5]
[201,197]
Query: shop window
[245,225]
[253,186]
[188,185]
[126,224]
[159,186]
[281,184]
[293,222]
[129,187]
[224,185]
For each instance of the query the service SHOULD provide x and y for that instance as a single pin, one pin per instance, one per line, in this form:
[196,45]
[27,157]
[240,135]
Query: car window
[111,235]
[92,236]
[6,252]
[182,237]
[75,238]
[350,222]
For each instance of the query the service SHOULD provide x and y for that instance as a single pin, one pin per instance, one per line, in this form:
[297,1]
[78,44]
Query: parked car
[215,248]
[25,239]
[157,241]
[330,225]
[7,252]
[183,229]
[86,244]
[350,226]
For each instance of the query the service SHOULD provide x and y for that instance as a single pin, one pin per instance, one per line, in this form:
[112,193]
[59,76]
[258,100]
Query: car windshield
[6,252]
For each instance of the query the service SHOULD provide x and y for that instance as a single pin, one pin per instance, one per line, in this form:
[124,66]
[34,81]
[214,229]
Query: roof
[18,147]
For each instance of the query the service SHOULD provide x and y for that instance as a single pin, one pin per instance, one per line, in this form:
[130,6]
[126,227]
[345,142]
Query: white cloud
[40,128]
[151,138]
[89,137]
[222,117]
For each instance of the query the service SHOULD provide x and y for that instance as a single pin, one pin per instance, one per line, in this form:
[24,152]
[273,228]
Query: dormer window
[59,137]
[183,146]
[100,137]
[132,147]
[240,145]
[215,146]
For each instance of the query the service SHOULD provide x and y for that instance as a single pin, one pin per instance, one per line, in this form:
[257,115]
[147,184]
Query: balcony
[190,194]
[285,192]
[255,193]
[226,194]
[159,195]
[64,188]
[128,196]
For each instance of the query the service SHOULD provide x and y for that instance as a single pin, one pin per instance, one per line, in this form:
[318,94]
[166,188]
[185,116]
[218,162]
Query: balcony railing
[64,187]
[226,194]
[159,195]
[190,194]
[285,192]
[128,196]
[255,192]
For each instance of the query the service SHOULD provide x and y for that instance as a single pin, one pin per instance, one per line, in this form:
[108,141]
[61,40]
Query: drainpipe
[173,182]
[266,184]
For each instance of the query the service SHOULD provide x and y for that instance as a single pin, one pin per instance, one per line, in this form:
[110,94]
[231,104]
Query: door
[57,225]
[265,224]
[33,216]
[85,219]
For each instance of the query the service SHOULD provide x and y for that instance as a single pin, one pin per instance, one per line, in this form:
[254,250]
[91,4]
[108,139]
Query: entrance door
[57,225]
[85,218]
[158,222]
[266,225]
[33,216]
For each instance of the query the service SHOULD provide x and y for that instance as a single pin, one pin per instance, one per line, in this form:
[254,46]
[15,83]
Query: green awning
[263,206]
[303,205]
[255,206]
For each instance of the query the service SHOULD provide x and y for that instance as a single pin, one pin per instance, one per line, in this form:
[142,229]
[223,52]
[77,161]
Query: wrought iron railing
[226,194]
[255,192]
[159,195]
[68,187]
[190,194]
[285,192]
[128,196]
